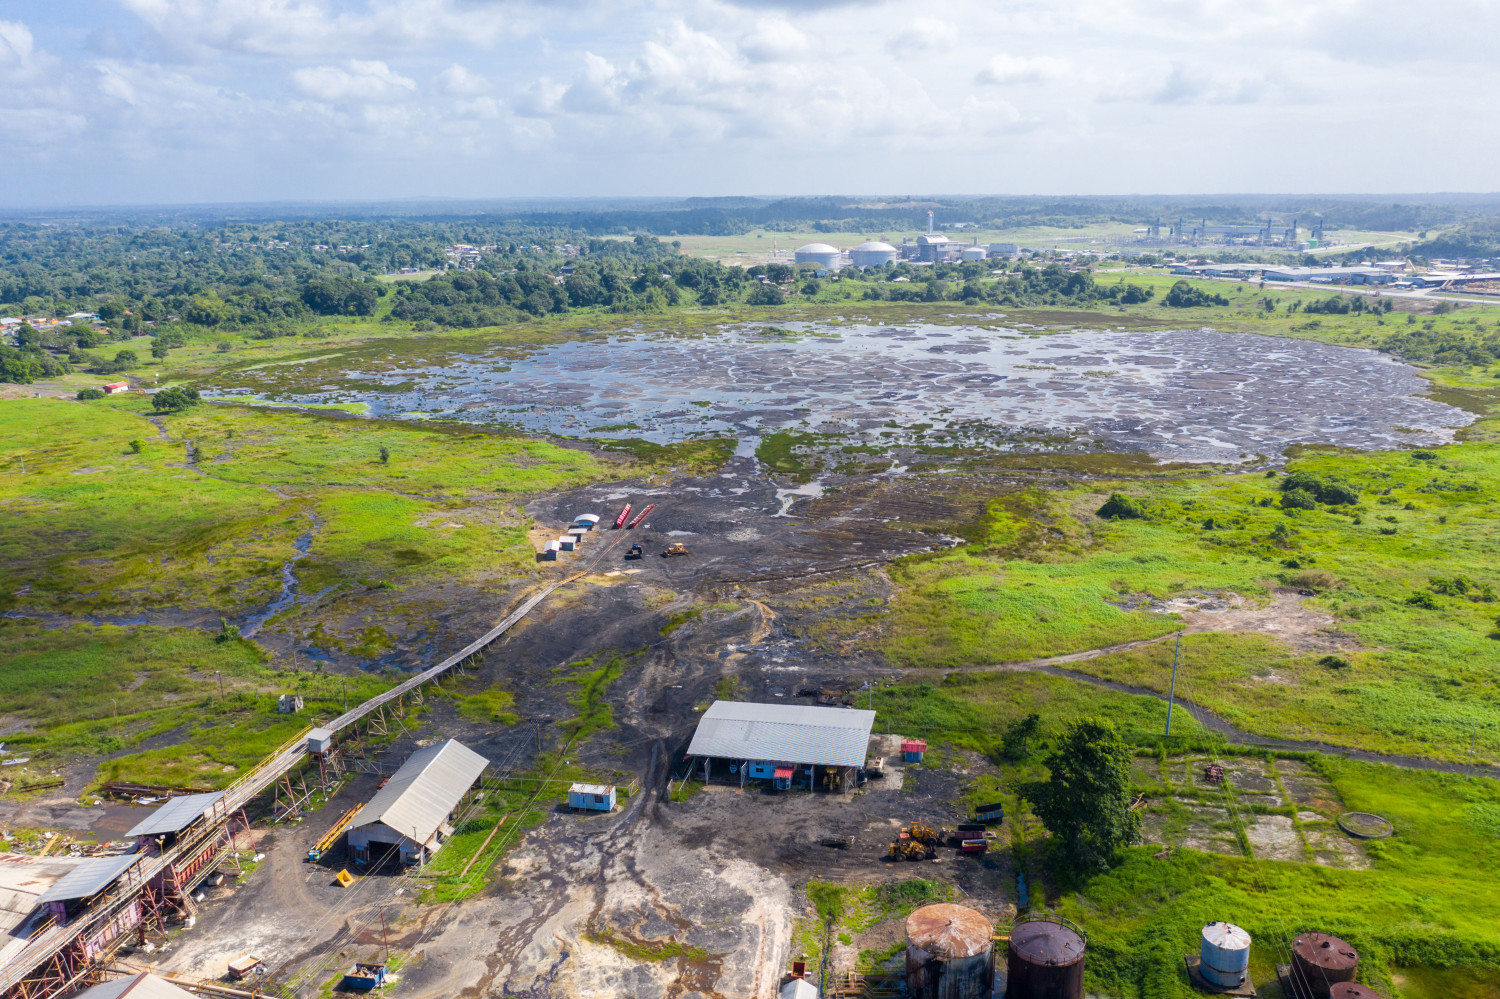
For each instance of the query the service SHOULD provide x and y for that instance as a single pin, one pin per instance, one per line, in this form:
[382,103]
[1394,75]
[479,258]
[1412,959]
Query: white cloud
[775,40]
[1003,70]
[16,44]
[924,34]
[720,96]
[196,29]
[460,80]
[362,80]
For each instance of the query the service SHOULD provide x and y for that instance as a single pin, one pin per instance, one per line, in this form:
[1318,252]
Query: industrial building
[933,247]
[821,254]
[93,876]
[1330,275]
[162,827]
[408,818]
[24,879]
[872,253]
[142,986]
[791,745]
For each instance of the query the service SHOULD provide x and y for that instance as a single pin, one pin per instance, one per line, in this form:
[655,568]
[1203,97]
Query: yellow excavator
[917,842]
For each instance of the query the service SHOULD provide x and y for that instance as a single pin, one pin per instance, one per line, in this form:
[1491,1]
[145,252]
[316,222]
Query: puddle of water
[1185,395]
[289,586]
[786,497]
[118,819]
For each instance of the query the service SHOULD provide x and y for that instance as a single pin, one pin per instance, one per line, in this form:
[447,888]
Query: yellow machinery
[675,548]
[331,837]
[917,842]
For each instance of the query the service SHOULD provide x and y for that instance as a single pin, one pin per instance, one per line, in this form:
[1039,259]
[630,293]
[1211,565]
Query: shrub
[1184,296]
[1455,587]
[1314,579]
[1119,507]
[1334,662]
[1424,599]
[1330,491]
[90,393]
[766,294]
[1298,499]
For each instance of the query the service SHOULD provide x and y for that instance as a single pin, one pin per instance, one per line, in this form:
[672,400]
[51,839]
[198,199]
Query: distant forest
[268,271]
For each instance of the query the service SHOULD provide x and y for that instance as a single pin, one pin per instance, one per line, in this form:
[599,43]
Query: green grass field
[164,705]
[1414,679]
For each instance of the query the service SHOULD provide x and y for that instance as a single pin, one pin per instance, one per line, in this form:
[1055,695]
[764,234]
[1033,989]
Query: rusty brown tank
[950,953]
[1321,961]
[1353,990]
[1046,961]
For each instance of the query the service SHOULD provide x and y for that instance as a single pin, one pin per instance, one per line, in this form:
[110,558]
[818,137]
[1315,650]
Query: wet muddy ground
[1184,395]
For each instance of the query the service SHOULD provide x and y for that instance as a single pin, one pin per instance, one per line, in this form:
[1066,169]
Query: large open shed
[790,745]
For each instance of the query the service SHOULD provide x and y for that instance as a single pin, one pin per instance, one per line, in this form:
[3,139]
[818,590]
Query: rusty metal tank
[950,953]
[1353,990]
[1046,960]
[1321,961]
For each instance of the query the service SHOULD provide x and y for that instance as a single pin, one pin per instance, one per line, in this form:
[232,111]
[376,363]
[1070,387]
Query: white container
[1225,955]
[319,741]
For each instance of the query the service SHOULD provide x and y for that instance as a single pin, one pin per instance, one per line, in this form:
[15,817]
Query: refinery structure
[930,247]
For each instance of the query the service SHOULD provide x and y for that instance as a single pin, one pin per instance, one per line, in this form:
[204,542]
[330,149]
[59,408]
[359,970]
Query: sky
[118,102]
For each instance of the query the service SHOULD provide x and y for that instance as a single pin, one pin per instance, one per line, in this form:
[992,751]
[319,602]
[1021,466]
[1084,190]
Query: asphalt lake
[1179,395]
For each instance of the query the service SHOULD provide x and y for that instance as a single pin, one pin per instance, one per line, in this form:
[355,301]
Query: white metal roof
[819,248]
[176,815]
[799,988]
[142,986]
[90,878]
[417,799]
[592,789]
[794,733]
[875,246]
[590,518]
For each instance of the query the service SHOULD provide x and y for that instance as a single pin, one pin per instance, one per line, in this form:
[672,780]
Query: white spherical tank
[1225,955]
[872,254]
[974,253]
[818,253]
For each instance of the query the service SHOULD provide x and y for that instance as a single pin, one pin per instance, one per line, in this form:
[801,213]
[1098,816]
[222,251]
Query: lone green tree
[385,455]
[1085,803]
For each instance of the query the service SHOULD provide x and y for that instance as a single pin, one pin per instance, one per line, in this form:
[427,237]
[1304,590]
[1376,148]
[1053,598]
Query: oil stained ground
[1182,395]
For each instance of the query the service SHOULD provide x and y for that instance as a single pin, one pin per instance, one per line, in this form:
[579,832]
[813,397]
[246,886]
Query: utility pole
[1172,691]
[117,720]
[385,936]
[538,735]
[220,675]
[344,684]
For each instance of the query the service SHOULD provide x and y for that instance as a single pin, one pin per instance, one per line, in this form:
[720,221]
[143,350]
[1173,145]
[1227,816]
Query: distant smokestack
[929,221]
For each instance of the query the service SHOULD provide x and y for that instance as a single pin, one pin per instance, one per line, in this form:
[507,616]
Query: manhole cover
[1364,825]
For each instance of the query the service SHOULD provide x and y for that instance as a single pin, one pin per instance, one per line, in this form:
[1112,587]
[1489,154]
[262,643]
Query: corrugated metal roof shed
[418,798]
[23,880]
[142,986]
[90,878]
[176,815]
[794,733]
[591,788]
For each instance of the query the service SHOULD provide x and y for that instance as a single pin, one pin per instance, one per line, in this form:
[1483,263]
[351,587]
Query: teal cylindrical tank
[1224,958]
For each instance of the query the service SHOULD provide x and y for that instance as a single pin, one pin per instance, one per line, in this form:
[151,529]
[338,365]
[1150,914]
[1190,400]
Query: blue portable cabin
[592,797]
[912,750]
